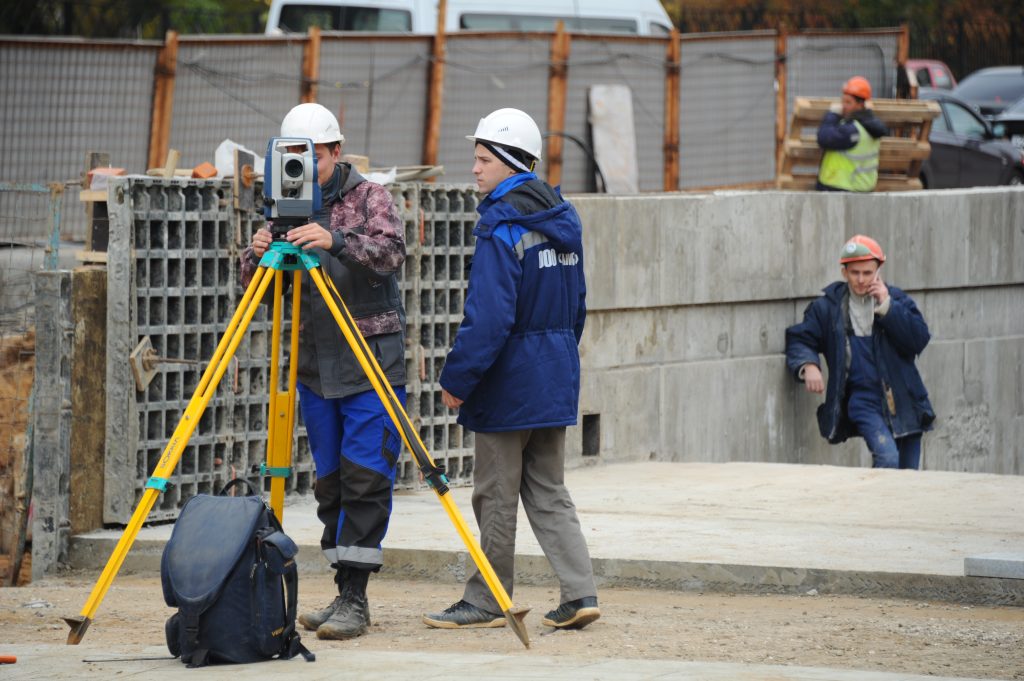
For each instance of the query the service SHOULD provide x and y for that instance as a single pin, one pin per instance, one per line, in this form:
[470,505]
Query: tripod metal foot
[78,625]
[514,617]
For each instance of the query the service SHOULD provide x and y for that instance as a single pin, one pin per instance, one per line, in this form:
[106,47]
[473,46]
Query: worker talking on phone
[870,335]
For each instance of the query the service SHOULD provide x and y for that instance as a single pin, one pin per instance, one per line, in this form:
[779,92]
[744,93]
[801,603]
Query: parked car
[1010,123]
[965,150]
[930,73]
[992,90]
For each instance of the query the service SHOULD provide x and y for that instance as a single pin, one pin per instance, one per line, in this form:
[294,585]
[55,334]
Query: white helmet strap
[507,157]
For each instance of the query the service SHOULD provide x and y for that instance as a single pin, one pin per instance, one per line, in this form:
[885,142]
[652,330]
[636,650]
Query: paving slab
[781,528]
[46,662]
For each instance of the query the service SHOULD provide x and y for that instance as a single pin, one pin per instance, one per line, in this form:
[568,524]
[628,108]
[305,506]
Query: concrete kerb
[452,567]
[735,527]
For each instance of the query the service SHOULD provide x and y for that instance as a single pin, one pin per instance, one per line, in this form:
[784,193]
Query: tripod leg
[412,440]
[281,419]
[172,452]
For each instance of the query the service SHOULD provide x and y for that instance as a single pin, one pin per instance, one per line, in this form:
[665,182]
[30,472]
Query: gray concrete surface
[42,663]
[739,527]
[732,526]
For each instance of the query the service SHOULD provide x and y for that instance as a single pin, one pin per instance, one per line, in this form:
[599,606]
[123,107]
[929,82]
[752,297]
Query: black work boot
[311,621]
[352,616]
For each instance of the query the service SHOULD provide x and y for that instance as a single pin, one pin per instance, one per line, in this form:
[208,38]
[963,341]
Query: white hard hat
[510,128]
[313,121]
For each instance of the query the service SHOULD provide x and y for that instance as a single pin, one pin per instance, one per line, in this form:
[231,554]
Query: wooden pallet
[899,158]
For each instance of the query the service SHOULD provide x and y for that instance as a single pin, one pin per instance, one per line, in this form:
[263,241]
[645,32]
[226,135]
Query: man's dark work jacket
[897,338]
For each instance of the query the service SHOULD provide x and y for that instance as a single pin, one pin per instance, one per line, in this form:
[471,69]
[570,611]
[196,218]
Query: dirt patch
[815,631]
[17,371]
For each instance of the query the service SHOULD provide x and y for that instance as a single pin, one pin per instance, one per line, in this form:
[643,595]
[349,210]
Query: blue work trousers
[356,448]
[864,410]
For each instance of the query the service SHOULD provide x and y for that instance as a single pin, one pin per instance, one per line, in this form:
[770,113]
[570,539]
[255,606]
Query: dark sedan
[993,89]
[1010,124]
[965,150]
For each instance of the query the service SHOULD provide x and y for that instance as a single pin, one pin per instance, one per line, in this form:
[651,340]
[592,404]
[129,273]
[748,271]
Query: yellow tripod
[282,257]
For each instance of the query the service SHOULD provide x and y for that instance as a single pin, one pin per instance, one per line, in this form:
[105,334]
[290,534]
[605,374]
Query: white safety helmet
[313,121]
[510,128]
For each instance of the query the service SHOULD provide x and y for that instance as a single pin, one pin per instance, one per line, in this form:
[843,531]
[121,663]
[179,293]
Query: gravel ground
[817,631]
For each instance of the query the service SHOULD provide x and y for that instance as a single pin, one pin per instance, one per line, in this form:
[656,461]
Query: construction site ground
[705,571]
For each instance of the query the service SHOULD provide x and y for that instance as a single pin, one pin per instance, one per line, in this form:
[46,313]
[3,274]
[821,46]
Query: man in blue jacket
[870,335]
[514,372]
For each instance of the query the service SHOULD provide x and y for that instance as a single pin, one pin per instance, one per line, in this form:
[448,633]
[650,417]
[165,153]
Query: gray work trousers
[527,465]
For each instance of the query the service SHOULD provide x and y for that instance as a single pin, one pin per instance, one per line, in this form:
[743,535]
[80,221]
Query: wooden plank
[90,195]
[310,66]
[896,153]
[88,388]
[91,257]
[558,83]
[435,91]
[673,55]
[808,111]
[163,100]
[805,182]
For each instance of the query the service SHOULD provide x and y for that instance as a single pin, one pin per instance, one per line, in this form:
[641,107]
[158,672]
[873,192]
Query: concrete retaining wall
[689,297]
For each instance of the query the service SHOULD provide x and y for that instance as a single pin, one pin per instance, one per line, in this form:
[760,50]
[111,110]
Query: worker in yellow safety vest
[850,140]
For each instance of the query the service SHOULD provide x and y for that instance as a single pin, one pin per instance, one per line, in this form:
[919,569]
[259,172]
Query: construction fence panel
[173,268]
[439,221]
[483,74]
[234,89]
[727,111]
[637,64]
[63,99]
[817,65]
[377,89]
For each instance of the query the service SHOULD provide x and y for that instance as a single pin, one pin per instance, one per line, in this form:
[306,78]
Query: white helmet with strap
[510,128]
[313,121]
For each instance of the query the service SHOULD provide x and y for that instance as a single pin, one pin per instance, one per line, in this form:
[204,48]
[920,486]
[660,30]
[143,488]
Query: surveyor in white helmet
[514,372]
[360,241]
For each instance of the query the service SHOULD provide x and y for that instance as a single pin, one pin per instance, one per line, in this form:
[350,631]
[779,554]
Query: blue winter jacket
[515,359]
[896,338]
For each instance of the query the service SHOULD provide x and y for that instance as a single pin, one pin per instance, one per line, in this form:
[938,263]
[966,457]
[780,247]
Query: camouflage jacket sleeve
[370,229]
[248,268]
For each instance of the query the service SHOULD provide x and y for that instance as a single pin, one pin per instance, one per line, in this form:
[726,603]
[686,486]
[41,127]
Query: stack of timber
[900,157]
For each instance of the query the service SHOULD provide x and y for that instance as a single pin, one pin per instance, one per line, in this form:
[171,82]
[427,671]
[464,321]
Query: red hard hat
[861,247]
[858,86]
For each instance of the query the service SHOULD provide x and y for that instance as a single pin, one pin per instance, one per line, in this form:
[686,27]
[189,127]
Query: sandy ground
[818,631]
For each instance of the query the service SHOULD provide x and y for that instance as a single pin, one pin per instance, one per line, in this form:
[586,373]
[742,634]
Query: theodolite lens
[293,167]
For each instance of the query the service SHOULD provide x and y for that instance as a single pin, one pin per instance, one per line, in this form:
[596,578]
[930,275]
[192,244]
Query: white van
[627,17]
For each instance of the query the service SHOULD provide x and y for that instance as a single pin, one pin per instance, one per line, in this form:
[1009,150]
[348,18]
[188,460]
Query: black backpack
[230,570]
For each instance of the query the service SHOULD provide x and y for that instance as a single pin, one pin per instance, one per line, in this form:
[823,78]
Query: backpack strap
[237,482]
[293,642]
[190,624]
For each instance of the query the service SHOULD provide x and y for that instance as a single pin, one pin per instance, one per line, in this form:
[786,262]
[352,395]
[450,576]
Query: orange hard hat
[861,247]
[858,86]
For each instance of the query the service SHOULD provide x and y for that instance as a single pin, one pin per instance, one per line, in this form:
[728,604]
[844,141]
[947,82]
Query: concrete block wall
[689,297]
